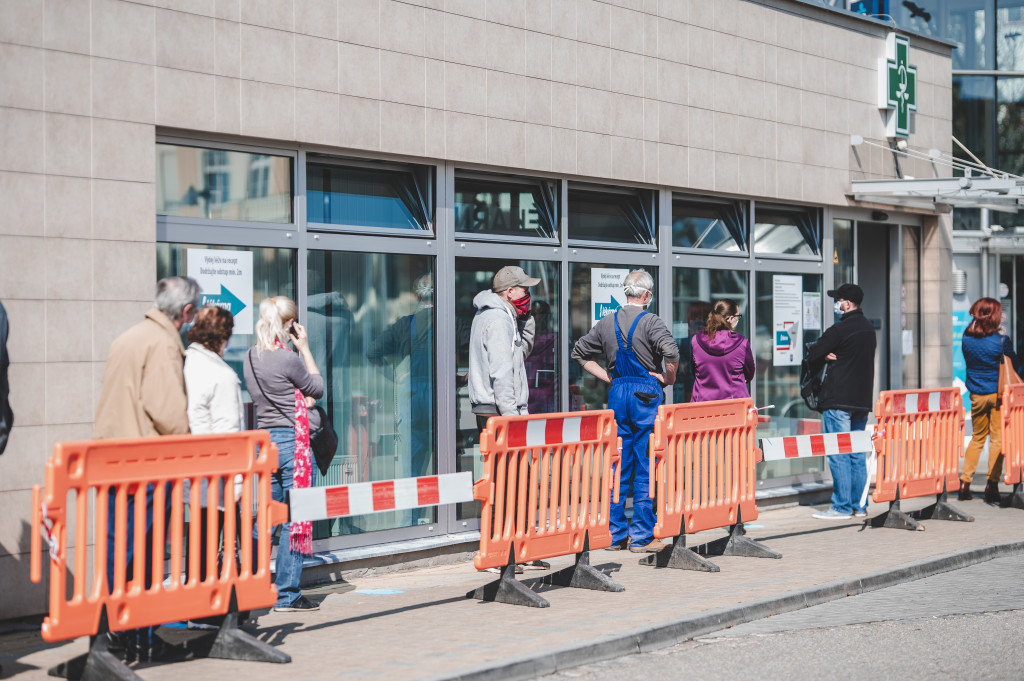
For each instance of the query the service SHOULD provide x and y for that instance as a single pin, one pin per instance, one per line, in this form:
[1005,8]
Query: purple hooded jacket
[721,367]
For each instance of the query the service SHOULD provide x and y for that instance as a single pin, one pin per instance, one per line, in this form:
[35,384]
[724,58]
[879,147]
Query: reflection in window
[780,385]
[974,116]
[1010,35]
[542,365]
[611,215]
[585,391]
[1010,124]
[506,207]
[218,184]
[694,291]
[273,275]
[371,324]
[842,252]
[719,225]
[366,196]
[964,22]
[792,231]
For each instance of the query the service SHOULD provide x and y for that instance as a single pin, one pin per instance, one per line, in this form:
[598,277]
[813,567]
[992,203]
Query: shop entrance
[873,267]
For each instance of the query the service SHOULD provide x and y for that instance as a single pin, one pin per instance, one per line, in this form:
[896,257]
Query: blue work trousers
[635,418]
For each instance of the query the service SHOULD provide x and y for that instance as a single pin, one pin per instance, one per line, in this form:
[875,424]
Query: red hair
[988,315]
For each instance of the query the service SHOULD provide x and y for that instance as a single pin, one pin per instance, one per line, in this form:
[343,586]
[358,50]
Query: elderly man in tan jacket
[143,396]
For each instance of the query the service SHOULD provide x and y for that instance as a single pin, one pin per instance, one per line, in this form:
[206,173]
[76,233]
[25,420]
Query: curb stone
[670,633]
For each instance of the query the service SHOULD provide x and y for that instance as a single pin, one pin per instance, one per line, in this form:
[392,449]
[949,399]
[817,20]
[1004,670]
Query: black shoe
[301,604]
[965,492]
[162,651]
[992,495]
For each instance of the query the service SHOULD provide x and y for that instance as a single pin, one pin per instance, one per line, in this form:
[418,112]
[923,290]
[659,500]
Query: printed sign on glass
[787,318]
[226,280]
[606,294]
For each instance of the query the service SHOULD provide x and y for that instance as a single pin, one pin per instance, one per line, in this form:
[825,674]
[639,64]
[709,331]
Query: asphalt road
[966,624]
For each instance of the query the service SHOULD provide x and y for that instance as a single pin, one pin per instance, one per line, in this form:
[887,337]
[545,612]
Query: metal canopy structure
[942,194]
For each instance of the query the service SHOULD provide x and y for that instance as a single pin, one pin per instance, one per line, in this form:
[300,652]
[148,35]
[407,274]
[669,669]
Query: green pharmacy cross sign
[897,85]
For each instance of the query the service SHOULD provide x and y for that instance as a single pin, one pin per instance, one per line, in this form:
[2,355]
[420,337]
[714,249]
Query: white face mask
[838,307]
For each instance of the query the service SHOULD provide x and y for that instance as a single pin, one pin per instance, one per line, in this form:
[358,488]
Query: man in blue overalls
[642,357]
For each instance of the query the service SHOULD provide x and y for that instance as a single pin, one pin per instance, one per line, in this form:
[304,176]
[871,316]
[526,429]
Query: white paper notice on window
[908,342]
[226,280]
[812,311]
[787,320]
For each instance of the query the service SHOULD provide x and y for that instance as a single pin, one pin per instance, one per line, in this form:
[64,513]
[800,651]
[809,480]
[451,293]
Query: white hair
[637,283]
[174,293]
[275,312]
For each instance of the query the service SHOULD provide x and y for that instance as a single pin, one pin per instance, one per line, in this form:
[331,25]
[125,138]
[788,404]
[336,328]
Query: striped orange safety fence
[547,488]
[702,457]
[92,486]
[919,439]
[1013,443]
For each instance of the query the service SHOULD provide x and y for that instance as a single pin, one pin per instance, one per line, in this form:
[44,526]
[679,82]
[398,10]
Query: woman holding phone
[284,385]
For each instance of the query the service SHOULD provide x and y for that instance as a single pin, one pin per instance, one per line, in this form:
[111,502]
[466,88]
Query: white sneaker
[831,514]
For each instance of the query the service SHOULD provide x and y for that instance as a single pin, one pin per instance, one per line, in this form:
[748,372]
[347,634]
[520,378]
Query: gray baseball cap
[510,276]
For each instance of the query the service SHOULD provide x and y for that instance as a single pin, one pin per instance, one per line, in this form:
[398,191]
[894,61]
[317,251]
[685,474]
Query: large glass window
[789,304]
[218,184]
[694,291]
[716,225]
[1010,124]
[499,207]
[786,230]
[472,276]
[273,274]
[607,214]
[369,196]
[1010,35]
[974,116]
[371,321]
[596,291]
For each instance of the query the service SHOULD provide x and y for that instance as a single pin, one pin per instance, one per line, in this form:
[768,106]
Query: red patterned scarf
[301,534]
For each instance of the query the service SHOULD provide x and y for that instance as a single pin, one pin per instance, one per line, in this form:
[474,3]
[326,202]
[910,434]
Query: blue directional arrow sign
[228,300]
[601,310]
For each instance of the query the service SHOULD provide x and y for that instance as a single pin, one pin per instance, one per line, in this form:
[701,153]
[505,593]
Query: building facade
[379,160]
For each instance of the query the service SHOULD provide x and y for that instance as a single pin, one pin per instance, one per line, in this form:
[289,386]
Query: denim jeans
[849,471]
[289,563]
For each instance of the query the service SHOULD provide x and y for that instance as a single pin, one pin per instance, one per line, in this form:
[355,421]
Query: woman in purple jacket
[721,359]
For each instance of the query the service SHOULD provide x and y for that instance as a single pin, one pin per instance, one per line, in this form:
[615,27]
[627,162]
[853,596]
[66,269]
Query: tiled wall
[750,97]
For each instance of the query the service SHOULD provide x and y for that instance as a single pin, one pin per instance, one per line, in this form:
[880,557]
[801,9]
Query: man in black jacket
[846,397]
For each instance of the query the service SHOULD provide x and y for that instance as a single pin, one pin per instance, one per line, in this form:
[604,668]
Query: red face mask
[522,305]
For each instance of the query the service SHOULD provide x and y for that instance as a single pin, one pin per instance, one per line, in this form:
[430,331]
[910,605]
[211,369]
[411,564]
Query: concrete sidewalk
[419,624]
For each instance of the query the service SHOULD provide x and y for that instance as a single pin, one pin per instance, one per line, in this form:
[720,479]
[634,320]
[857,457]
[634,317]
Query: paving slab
[418,624]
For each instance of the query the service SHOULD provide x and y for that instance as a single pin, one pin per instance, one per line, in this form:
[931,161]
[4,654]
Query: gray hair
[637,282]
[174,293]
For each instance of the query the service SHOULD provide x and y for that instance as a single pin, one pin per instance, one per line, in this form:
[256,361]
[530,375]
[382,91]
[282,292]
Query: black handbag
[812,379]
[323,441]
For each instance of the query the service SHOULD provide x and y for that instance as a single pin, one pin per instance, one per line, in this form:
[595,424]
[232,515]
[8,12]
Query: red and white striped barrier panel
[361,498]
[919,403]
[802,446]
[553,431]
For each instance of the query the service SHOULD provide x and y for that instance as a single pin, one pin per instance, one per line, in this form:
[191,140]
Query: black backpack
[812,379]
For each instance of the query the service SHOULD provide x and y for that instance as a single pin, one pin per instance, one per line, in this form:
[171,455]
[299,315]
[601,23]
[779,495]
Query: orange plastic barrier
[919,439]
[80,479]
[702,458]
[546,490]
[1013,442]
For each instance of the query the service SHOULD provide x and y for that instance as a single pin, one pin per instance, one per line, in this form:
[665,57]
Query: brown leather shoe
[619,545]
[654,546]
[992,495]
[965,492]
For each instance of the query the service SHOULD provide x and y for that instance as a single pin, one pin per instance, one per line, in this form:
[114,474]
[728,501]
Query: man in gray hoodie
[499,342]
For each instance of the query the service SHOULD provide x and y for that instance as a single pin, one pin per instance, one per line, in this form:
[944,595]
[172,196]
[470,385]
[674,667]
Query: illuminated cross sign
[897,86]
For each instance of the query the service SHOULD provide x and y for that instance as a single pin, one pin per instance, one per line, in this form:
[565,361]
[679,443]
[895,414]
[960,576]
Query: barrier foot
[583,575]
[507,590]
[234,644]
[679,557]
[942,510]
[99,664]
[737,545]
[896,519]
[1014,499]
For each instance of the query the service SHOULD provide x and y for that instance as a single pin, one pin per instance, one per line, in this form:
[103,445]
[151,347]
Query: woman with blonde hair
[722,362]
[284,385]
[984,347]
